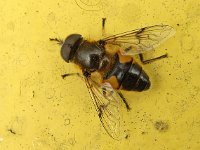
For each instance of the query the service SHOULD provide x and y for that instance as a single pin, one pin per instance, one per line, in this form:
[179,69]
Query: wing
[140,40]
[107,103]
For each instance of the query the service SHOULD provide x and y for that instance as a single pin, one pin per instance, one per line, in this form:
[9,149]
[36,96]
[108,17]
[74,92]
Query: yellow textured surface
[41,111]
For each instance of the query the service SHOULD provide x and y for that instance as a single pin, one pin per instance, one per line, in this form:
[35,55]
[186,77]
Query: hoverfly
[118,70]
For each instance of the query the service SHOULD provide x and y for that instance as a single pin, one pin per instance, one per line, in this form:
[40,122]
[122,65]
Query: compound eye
[70,46]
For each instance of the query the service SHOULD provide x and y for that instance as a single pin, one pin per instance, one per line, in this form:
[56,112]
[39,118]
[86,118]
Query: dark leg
[70,74]
[85,74]
[151,60]
[103,26]
[124,100]
[59,41]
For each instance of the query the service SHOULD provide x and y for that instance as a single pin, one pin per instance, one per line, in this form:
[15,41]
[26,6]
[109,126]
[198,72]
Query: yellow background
[41,111]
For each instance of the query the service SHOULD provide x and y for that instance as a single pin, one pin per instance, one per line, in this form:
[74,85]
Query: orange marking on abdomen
[124,58]
[113,82]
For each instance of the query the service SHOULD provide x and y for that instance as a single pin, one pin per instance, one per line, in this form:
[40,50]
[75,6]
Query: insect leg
[70,74]
[124,100]
[151,60]
[103,26]
[59,41]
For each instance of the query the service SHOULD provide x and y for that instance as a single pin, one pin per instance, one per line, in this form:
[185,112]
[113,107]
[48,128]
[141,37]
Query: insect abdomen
[127,75]
[135,79]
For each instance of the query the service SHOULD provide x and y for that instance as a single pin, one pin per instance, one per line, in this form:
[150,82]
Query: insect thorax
[89,55]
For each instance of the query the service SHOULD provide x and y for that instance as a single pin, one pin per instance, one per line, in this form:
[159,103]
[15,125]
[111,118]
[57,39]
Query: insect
[117,69]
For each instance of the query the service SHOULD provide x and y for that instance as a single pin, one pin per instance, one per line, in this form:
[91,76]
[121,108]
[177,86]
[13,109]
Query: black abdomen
[128,75]
[135,79]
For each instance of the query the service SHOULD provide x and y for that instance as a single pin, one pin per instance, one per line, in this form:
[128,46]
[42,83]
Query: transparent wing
[140,40]
[108,106]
